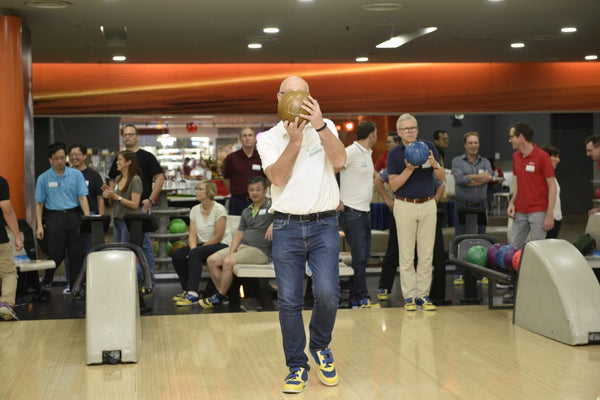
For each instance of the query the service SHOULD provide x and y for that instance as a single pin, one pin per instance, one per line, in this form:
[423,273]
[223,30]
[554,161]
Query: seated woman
[208,233]
[125,197]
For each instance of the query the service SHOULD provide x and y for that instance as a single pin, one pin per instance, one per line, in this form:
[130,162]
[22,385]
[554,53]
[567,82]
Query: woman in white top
[208,233]
[555,159]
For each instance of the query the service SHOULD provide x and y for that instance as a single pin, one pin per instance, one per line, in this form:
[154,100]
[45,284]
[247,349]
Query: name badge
[262,212]
[52,184]
[530,168]
[255,167]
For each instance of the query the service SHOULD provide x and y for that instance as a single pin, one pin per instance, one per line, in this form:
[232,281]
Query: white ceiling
[322,31]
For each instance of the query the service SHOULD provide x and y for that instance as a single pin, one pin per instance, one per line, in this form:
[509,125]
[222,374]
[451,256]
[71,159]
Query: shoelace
[294,374]
[327,357]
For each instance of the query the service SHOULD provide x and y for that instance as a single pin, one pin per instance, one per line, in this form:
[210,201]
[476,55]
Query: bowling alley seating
[379,239]
[264,272]
[27,263]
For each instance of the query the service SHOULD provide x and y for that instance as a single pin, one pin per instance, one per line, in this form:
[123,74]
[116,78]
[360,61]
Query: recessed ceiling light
[119,58]
[271,29]
[517,45]
[48,4]
[254,45]
[362,59]
[568,29]
[591,57]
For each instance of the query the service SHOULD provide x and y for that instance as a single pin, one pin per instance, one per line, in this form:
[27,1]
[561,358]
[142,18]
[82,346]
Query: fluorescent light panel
[400,40]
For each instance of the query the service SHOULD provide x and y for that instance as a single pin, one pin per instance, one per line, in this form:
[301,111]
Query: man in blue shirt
[415,213]
[62,192]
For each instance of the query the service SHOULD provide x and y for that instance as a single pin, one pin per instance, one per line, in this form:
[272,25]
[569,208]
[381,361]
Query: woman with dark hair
[125,197]
[208,233]
[554,154]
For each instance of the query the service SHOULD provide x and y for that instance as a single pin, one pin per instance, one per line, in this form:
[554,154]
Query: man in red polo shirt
[532,205]
[238,167]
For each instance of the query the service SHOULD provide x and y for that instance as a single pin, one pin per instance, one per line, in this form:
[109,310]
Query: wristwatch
[119,199]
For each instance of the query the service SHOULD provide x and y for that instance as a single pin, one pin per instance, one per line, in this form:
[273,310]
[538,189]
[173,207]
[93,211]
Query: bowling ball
[477,255]
[597,193]
[517,259]
[177,225]
[177,245]
[416,153]
[290,106]
[500,255]
[491,253]
[508,257]
[169,247]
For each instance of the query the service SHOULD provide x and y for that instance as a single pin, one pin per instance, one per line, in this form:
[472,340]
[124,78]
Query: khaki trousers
[8,274]
[415,223]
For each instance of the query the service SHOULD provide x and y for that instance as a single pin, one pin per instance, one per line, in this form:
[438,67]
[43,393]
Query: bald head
[293,83]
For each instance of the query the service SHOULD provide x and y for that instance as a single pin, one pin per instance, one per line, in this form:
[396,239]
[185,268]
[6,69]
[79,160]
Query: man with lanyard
[415,213]
[62,192]
[151,172]
[532,204]
[238,167]
[300,160]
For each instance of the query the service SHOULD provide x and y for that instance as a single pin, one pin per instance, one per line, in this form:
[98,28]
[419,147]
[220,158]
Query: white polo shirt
[312,186]
[356,179]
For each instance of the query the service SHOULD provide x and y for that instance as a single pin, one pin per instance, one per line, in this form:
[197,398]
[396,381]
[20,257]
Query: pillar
[12,143]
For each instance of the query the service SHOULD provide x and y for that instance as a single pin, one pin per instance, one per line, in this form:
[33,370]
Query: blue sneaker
[296,380]
[425,304]
[327,373]
[212,301]
[187,300]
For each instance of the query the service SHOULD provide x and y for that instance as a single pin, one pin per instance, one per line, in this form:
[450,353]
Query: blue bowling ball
[500,255]
[416,153]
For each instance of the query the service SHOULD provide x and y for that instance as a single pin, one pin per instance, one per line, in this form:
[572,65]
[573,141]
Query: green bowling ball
[477,255]
[177,225]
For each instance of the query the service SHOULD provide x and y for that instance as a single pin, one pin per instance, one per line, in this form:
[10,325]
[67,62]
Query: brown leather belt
[418,201]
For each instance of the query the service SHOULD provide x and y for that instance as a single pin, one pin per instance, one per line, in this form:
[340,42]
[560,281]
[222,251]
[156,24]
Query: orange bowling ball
[516,260]
[177,245]
[290,106]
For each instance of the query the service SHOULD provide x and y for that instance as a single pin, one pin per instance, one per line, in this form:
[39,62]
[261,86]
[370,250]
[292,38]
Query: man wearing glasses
[151,172]
[415,211]
[63,193]
[392,141]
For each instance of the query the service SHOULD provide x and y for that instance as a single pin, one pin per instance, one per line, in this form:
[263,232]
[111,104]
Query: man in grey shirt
[251,243]
[471,176]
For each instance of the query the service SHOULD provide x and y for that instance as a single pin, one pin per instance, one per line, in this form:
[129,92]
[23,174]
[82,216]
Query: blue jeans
[295,243]
[357,227]
[121,235]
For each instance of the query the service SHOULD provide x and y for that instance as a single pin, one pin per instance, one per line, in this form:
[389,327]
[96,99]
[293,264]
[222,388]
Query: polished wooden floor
[457,352]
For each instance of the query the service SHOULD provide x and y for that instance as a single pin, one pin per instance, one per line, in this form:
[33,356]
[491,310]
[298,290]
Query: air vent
[383,7]
[48,4]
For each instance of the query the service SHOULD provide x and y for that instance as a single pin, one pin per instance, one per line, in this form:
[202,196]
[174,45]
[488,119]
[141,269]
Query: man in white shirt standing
[300,160]
[356,192]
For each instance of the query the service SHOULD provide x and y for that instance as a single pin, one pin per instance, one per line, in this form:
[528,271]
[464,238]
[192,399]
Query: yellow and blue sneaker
[296,380]
[327,373]
[426,304]
[410,305]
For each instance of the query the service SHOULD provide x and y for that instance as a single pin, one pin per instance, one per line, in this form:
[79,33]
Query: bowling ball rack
[459,246]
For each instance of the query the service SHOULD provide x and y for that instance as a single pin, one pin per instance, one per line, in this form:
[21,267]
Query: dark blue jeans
[295,243]
[357,227]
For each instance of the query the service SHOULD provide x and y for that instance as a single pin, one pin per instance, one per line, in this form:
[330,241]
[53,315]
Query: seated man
[250,243]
